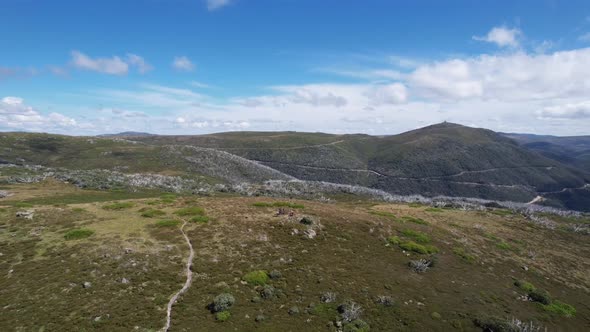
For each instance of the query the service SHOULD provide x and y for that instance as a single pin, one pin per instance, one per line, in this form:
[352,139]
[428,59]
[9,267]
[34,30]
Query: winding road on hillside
[187,283]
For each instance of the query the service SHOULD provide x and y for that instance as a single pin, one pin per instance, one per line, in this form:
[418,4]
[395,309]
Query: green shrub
[150,213]
[541,296]
[502,212]
[464,255]
[416,236]
[418,248]
[168,198]
[395,240]
[258,277]
[78,210]
[190,211]
[200,219]
[167,223]
[356,325]
[222,316]
[326,311]
[560,308]
[223,302]
[80,233]
[434,209]
[525,286]
[118,206]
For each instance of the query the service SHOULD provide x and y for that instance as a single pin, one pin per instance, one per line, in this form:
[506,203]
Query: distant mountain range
[127,134]
[444,159]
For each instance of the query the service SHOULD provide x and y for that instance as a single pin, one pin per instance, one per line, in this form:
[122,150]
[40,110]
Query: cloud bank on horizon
[500,76]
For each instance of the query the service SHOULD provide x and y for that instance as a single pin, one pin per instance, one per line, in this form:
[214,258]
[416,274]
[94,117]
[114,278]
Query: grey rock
[87,284]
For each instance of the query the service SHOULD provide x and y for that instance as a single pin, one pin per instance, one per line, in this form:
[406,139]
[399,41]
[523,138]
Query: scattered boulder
[87,284]
[124,281]
[260,318]
[293,311]
[310,233]
[4,194]
[28,214]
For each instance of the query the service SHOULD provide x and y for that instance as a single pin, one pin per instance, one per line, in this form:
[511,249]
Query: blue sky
[372,66]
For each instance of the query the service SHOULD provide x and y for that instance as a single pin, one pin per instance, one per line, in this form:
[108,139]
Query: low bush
[419,266]
[190,211]
[434,209]
[222,316]
[200,219]
[356,325]
[151,213]
[541,296]
[418,248]
[167,223]
[223,302]
[259,278]
[350,311]
[416,236]
[394,240]
[560,308]
[118,206]
[76,234]
[525,286]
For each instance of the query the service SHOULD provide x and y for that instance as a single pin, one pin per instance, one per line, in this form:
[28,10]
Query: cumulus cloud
[517,76]
[139,62]
[216,4]
[182,63]
[395,93]
[113,66]
[501,36]
[16,115]
[579,110]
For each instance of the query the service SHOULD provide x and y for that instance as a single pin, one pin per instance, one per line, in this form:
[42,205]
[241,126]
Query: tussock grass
[416,235]
[259,278]
[76,234]
[200,219]
[151,213]
[167,223]
[383,214]
[119,206]
[560,308]
[190,211]
[418,248]
[415,220]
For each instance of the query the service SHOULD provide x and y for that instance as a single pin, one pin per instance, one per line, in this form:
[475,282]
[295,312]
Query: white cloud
[517,76]
[139,62]
[199,85]
[113,66]
[216,4]
[501,36]
[579,110]
[16,115]
[183,63]
[395,93]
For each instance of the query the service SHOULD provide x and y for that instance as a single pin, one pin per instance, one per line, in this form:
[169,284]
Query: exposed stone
[310,233]
[28,214]
[87,284]
[124,281]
